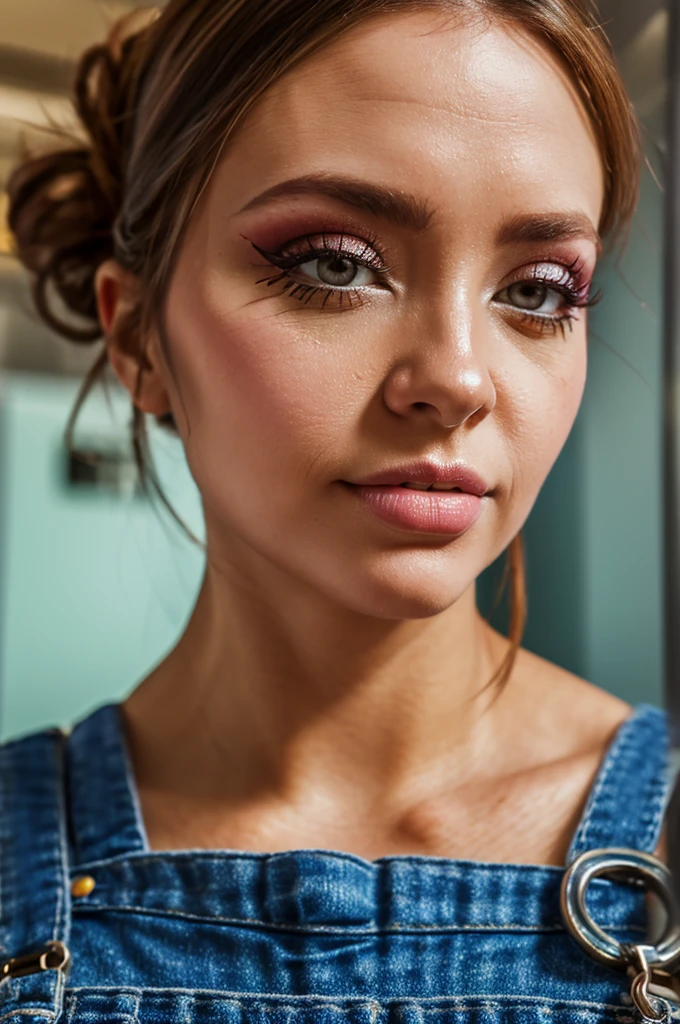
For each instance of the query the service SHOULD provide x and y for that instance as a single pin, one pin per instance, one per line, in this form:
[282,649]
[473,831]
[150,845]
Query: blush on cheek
[256,387]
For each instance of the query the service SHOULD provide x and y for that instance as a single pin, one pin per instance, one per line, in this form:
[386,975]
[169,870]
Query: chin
[411,594]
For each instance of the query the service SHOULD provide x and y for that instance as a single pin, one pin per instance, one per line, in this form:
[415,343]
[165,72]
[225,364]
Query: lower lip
[451,512]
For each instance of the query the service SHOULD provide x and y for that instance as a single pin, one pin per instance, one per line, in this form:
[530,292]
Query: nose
[444,378]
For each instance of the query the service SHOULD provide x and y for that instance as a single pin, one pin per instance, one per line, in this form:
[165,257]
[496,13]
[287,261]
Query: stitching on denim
[653,798]
[19,1012]
[345,929]
[61,922]
[616,751]
[547,1010]
[125,1018]
[77,781]
[293,1001]
[371,1005]
[354,929]
[134,1017]
[57,883]
[72,1009]
[114,787]
[233,856]
[659,794]
[652,801]
[129,774]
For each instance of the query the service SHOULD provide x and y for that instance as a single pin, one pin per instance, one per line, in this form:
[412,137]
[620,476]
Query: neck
[293,696]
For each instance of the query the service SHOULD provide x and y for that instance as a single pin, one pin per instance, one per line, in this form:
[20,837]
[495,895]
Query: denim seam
[128,771]
[61,920]
[424,863]
[655,794]
[615,754]
[292,1001]
[119,796]
[656,800]
[347,929]
[656,790]
[72,1009]
[33,1012]
[73,996]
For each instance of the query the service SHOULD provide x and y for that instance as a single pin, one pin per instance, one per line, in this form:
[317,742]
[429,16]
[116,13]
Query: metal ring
[626,866]
[55,957]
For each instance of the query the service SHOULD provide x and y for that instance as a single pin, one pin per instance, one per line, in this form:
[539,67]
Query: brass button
[82,886]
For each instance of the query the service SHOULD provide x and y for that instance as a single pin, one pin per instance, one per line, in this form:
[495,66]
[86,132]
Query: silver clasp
[647,965]
[641,973]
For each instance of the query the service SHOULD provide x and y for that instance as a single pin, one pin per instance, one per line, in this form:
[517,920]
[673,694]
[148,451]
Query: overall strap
[628,798]
[104,809]
[35,898]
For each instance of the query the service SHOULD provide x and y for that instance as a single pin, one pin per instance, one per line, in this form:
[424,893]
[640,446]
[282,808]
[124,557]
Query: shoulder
[577,710]
[595,754]
[565,714]
[569,723]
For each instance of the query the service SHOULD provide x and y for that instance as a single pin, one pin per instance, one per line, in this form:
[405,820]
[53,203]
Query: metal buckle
[650,967]
[625,866]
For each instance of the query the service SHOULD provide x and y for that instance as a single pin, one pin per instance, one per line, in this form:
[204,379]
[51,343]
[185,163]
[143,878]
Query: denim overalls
[300,937]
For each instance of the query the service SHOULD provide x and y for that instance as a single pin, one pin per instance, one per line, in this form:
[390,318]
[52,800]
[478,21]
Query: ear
[118,295]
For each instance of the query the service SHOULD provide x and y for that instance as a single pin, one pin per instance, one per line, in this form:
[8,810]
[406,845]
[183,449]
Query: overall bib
[305,936]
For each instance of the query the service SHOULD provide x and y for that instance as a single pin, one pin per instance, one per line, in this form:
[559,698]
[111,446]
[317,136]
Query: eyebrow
[409,211]
[401,208]
[548,227]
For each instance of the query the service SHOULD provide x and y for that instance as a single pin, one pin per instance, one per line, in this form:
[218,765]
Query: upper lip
[427,472]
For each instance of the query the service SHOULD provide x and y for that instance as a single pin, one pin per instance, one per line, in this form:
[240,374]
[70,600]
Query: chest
[527,818]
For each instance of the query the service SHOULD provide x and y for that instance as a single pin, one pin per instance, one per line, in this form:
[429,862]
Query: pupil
[527,295]
[336,270]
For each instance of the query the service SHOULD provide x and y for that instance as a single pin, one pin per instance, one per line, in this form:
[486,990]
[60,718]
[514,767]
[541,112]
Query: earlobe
[117,293]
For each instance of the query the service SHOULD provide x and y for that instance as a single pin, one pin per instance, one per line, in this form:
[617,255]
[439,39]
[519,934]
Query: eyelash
[307,292]
[575,297]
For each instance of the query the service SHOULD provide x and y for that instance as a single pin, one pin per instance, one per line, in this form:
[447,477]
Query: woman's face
[454,183]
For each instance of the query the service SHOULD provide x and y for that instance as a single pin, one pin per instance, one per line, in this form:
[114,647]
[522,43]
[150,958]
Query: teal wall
[95,586]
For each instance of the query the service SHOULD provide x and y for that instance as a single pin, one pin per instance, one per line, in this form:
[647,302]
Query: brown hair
[160,102]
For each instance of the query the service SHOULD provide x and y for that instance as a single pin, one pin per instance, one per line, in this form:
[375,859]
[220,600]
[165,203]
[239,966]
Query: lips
[432,512]
[457,475]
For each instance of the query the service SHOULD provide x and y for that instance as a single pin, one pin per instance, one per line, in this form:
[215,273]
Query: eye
[549,295]
[534,297]
[337,271]
[326,267]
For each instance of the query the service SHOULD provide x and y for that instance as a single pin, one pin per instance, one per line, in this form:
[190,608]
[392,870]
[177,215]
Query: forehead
[469,109]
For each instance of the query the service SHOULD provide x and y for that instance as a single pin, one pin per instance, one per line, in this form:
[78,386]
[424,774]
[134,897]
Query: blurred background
[96,585]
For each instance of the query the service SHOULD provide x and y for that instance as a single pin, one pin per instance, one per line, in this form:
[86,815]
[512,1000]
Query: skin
[328,689]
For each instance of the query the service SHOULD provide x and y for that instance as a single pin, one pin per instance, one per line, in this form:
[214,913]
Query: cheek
[261,395]
[541,410]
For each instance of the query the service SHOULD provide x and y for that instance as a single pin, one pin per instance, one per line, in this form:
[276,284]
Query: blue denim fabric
[305,936]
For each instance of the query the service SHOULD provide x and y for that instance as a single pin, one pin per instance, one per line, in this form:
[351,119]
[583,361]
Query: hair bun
[63,205]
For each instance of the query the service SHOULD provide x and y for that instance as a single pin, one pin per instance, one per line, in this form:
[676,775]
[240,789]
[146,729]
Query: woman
[346,250]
